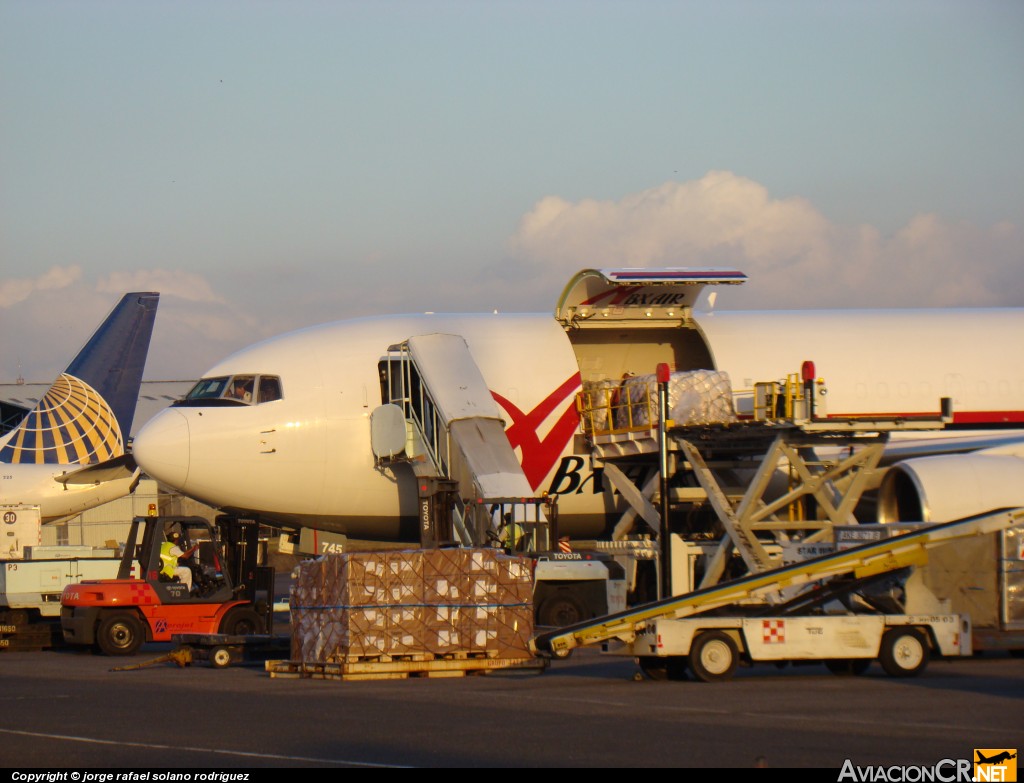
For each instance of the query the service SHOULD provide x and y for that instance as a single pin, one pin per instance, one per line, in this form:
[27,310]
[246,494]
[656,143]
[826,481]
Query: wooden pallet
[400,667]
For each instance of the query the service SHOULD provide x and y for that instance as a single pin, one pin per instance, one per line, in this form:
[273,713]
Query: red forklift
[210,584]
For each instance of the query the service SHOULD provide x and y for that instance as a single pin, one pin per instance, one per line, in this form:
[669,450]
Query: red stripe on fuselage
[988,417]
[963,417]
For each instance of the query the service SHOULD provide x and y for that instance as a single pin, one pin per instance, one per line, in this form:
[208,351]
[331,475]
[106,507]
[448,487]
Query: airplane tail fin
[86,415]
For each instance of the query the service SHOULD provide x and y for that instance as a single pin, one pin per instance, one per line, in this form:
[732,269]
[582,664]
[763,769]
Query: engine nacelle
[954,486]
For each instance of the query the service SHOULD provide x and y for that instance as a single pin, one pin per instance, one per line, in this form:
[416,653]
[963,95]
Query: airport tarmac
[66,710]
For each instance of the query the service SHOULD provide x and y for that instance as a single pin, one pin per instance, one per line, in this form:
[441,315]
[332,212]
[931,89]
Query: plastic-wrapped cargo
[695,398]
[598,398]
[437,601]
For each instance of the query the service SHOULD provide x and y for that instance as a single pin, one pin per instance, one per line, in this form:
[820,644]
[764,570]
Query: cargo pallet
[400,667]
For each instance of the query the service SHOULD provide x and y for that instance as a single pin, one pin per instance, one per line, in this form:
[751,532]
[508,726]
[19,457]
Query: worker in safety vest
[171,557]
[513,535]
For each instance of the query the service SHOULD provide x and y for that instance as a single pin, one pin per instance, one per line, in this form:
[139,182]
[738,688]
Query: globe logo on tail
[71,424]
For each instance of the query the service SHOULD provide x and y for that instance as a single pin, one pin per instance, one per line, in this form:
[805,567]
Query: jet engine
[949,487]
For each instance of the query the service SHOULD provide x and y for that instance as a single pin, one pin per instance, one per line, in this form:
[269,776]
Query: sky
[271,165]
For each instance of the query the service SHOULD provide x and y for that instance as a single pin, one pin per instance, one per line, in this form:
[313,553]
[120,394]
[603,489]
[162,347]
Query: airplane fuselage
[38,485]
[304,459]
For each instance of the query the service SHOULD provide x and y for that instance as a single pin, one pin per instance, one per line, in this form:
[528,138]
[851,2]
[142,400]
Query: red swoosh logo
[539,456]
[615,295]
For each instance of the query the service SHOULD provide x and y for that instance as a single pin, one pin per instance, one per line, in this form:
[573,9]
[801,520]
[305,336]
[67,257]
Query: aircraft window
[233,390]
[208,389]
[241,388]
[270,388]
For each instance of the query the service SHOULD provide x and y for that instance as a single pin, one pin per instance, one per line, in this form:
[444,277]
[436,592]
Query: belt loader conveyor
[864,561]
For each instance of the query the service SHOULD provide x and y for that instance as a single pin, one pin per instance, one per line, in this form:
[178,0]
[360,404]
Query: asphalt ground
[66,710]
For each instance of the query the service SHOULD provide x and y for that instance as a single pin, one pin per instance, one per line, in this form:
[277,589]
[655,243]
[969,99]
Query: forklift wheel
[560,610]
[242,621]
[220,657]
[119,633]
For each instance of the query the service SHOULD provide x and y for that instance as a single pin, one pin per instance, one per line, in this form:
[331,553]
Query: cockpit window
[270,388]
[241,388]
[233,390]
[208,389]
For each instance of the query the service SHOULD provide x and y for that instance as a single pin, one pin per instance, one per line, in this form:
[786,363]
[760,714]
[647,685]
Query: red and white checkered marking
[773,631]
[139,593]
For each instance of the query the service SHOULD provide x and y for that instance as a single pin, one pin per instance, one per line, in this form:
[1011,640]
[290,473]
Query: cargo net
[433,602]
[695,398]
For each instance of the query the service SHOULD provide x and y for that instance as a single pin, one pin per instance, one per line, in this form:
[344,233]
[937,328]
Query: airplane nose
[161,448]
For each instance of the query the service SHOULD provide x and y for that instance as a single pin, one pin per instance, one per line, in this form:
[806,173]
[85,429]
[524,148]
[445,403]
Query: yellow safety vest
[512,534]
[168,561]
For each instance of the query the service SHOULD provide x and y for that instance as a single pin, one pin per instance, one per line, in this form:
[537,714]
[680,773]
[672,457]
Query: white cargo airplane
[282,428]
[68,453]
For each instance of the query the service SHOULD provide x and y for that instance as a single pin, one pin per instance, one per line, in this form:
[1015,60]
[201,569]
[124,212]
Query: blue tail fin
[86,415]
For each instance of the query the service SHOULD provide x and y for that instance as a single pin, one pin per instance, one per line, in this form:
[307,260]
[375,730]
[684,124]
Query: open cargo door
[641,297]
[624,322]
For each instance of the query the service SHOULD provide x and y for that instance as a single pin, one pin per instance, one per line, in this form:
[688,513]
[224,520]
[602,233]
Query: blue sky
[268,165]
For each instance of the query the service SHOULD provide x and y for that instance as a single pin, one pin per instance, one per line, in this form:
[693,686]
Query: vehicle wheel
[242,621]
[562,654]
[120,633]
[713,656]
[848,667]
[904,652]
[560,610]
[220,657]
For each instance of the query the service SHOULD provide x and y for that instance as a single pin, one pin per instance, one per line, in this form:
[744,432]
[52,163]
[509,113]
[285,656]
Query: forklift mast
[243,551]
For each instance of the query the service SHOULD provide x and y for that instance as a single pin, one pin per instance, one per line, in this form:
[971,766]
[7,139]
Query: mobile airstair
[440,418]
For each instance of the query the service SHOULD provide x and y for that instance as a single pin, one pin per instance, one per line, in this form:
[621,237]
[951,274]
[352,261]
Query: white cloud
[18,290]
[55,313]
[185,285]
[793,255]
[195,325]
[721,214]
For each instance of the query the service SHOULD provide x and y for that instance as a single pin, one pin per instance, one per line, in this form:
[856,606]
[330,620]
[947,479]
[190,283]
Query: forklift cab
[172,574]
